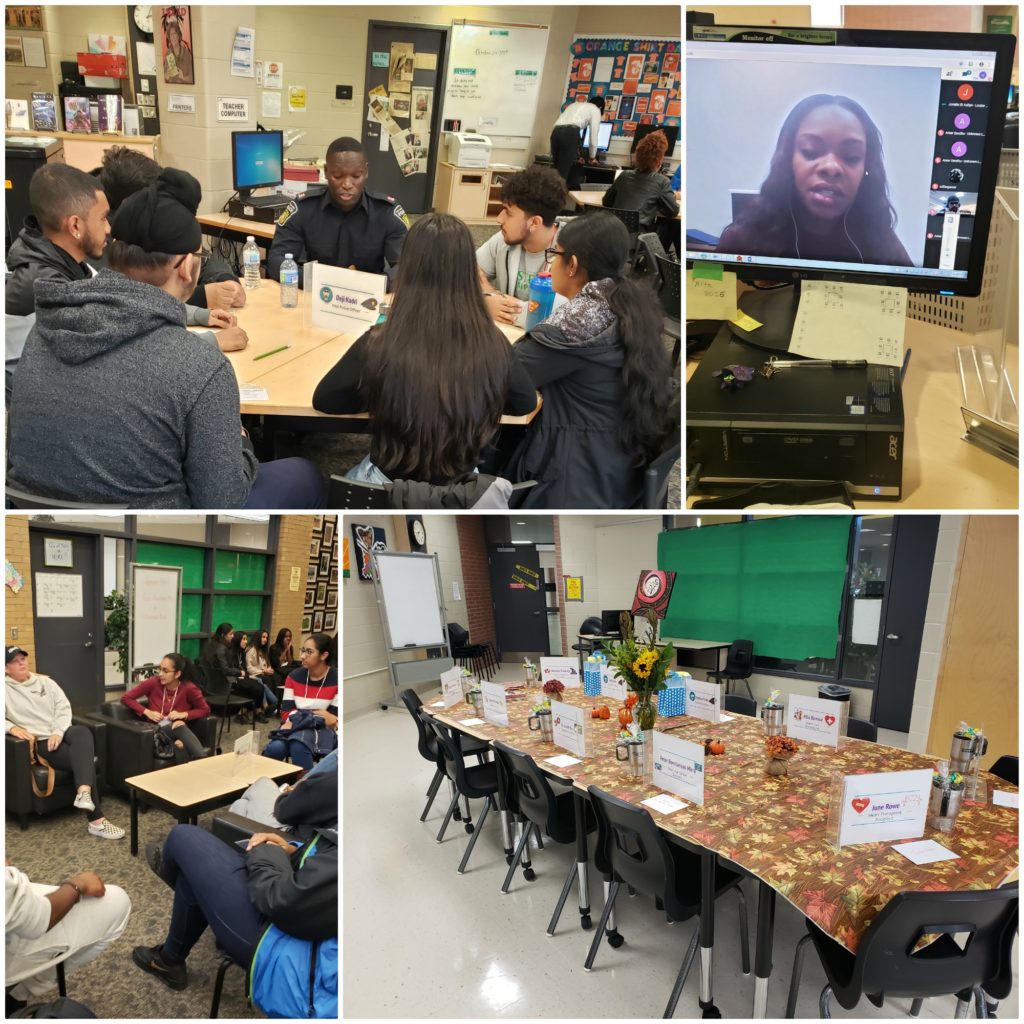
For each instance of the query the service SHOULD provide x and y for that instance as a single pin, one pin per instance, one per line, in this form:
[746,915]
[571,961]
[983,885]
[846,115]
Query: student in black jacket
[645,189]
[437,376]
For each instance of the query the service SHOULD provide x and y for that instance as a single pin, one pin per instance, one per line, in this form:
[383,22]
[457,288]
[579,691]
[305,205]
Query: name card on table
[879,807]
[495,703]
[816,720]
[565,670]
[613,685]
[678,766]
[567,727]
[451,687]
[347,301]
[704,700]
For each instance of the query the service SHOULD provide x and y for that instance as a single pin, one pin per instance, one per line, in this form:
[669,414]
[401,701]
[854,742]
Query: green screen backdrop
[778,582]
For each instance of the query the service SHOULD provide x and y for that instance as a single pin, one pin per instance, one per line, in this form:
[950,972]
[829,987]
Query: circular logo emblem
[326,295]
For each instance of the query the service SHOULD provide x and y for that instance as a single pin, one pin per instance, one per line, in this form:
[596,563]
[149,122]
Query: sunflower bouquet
[643,666]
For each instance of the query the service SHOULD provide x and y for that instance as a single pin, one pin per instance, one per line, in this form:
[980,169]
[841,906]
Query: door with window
[520,600]
[68,613]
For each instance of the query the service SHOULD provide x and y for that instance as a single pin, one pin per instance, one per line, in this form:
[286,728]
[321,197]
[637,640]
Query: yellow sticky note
[707,299]
[748,323]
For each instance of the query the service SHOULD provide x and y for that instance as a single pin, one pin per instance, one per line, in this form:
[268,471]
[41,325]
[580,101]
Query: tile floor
[422,941]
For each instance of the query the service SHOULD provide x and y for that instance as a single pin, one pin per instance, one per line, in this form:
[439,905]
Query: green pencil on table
[273,351]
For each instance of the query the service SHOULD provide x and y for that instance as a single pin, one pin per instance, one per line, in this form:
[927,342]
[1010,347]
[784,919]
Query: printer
[822,423]
[469,149]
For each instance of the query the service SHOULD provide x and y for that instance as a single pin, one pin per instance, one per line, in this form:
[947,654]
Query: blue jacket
[294,973]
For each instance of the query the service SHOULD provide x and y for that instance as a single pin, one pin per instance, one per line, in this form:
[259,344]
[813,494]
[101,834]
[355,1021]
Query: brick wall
[293,537]
[18,607]
[476,577]
[560,584]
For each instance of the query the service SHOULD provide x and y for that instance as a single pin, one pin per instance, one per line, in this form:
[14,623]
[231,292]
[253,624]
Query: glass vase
[646,712]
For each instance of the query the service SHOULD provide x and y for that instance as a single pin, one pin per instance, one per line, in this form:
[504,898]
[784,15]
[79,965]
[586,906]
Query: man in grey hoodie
[115,403]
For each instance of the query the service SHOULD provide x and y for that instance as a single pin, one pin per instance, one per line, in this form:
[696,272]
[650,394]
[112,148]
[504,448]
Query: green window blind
[236,570]
[191,560]
[777,582]
[190,648]
[244,613]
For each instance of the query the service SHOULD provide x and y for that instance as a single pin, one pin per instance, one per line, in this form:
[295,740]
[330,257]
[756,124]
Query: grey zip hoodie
[115,403]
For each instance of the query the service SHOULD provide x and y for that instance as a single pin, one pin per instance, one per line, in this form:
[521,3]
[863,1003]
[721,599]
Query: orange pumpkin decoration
[631,699]
[595,713]
[604,712]
[625,716]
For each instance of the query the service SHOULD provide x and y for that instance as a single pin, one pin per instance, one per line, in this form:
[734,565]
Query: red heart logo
[861,803]
[830,720]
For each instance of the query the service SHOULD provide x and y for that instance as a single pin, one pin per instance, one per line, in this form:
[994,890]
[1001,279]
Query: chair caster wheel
[468,826]
[712,1012]
[529,874]
[457,815]
[585,923]
[615,940]
[508,858]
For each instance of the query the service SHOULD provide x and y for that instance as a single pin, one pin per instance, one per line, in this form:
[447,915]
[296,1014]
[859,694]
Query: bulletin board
[639,78]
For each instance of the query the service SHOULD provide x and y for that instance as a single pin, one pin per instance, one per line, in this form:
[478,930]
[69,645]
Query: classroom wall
[476,574]
[748,14]
[19,628]
[293,538]
[930,18]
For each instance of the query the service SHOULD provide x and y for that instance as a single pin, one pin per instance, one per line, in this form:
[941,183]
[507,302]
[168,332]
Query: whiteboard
[154,613]
[494,77]
[410,600]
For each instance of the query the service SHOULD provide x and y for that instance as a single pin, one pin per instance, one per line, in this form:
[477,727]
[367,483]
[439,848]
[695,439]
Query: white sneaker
[84,801]
[106,830]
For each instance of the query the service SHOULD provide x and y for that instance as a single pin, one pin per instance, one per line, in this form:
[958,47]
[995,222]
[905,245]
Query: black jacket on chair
[21,800]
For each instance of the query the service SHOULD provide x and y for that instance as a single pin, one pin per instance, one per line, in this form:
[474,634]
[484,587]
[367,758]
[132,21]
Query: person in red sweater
[174,699]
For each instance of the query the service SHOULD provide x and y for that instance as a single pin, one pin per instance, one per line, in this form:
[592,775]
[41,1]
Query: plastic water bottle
[289,282]
[251,262]
[542,298]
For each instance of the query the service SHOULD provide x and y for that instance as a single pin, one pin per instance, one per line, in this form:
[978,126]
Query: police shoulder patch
[401,214]
[291,208]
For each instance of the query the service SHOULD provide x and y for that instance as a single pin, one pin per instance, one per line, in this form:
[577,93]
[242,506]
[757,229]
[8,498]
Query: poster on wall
[176,45]
[24,17]
[368,540]
[624,71]
[653,590]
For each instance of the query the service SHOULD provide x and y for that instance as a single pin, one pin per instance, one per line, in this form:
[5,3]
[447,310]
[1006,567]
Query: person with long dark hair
[281,655]
[603,372]
[245,684]
[257,663]
[437,376]
[826,196]
[173,699]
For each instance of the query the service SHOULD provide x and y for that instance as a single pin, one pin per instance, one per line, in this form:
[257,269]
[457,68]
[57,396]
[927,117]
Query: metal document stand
[407,668]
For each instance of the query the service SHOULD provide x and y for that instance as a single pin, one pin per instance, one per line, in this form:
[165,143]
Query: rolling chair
[739,664]
[584,648]
[1006,768]
[342,493]
[737,704]
[218,695]
[481,657]
[670,296]
[858,729]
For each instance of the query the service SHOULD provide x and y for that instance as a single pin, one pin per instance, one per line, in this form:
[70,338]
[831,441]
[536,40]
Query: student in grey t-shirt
[508,261]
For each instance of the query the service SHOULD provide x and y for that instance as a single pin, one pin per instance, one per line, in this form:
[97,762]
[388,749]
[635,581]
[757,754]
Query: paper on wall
[603,69]
[297,98]
[58,595]
[400,106]
[838,320]
[145,58]
[242,53]
[273,71]
[102,43]
[402,69]
[867,614]
[424,61]
[35,52]
[271,104]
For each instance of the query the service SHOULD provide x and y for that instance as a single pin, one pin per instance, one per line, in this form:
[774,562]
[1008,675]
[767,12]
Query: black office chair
[475,782]
[584,648]
[645,265]
[641,857]
[656,477]
[737,704]
[858,729]
[219,696]
[886,964]
[540,809]
[427,746]
[670,295]
[19,497]
[739,664]
[342,493]
[480,659]
[1006,768]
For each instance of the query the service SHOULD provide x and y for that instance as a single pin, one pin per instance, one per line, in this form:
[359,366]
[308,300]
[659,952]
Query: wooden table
[188,790]
[596,199]
[775,828]
[940,470]
[236,228]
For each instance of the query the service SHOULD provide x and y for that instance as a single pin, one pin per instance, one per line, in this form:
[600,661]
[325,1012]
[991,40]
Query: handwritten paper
[58,596]
[925,851]
[710,293]
[664,804]
[251,393]
[850,321]
[1003,799]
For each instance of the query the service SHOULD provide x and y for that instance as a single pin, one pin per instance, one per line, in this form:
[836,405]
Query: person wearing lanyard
[173,699]
[508,261]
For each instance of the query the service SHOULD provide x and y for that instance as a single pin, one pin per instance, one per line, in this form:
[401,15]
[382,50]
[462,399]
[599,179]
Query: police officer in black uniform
[346,226]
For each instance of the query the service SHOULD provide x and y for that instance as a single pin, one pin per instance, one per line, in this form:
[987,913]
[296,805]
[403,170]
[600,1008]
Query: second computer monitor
[257,160]
[604,136]
[610,621]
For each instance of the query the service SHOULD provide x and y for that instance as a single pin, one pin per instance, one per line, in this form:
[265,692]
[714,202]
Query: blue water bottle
[542,298]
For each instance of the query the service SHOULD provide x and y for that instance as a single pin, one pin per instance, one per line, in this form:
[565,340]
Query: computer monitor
[840,144]
[643,130]
[257,160]
[610,621]
[604,136]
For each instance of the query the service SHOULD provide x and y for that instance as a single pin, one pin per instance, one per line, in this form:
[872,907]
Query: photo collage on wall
[639,78]
[320,609]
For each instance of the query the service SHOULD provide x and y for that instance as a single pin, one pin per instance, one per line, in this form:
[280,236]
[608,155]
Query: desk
[236,228]
[291,377]
[788,851]
[595,199]
[188,790]
[939,469]
[701,645]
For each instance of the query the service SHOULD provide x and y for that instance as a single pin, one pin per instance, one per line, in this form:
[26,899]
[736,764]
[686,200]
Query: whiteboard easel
[154,612]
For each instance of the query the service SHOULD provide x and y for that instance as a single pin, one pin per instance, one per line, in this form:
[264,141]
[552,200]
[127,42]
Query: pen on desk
[793,364]
[273,351]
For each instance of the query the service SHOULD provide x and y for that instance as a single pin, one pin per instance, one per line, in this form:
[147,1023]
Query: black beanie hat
[162,217]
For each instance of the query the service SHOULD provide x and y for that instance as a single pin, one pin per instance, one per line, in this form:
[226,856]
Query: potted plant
[115,628]
[778,750]
[643,666]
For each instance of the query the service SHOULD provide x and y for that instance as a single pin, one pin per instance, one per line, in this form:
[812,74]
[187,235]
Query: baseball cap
[13,652]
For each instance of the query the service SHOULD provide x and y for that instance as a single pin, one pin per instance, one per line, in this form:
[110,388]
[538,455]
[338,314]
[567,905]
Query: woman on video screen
[826,196]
